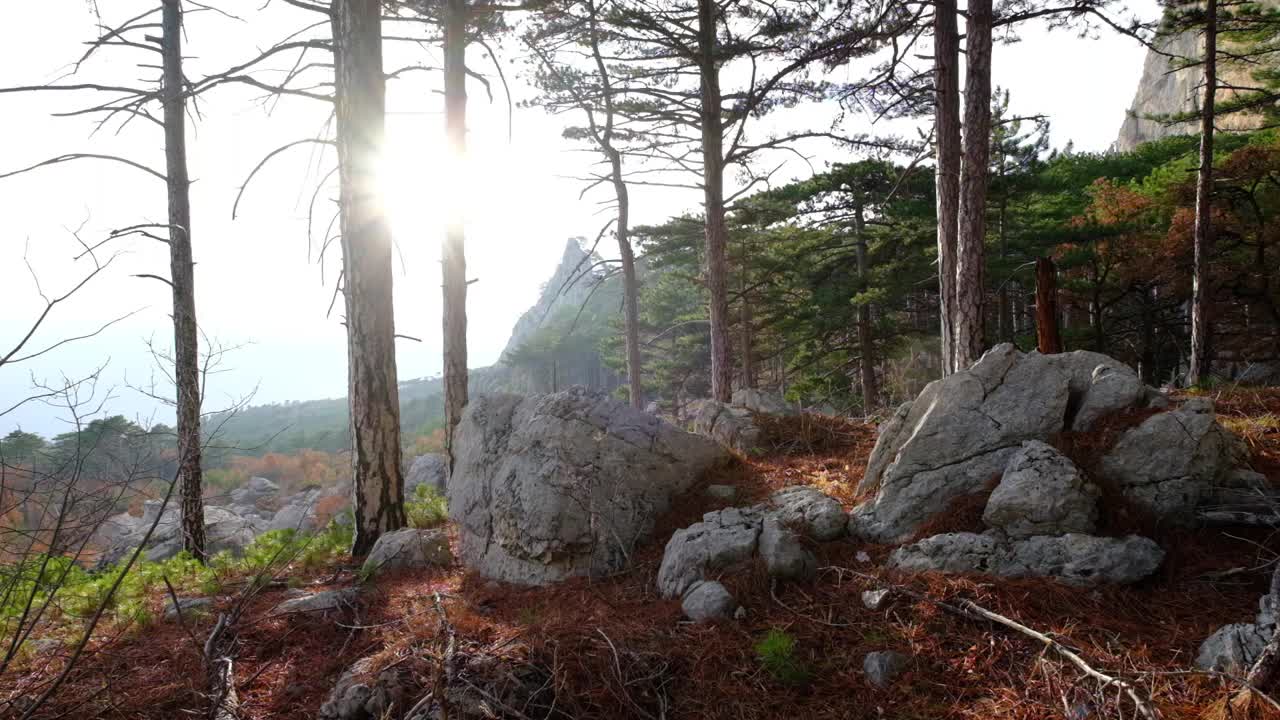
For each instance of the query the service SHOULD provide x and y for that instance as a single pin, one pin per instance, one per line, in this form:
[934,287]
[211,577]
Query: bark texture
[946,129]
[186,350]
[717,233]
[453,252]
[969,312]
[1048,339]
[360,94]
[1198,365]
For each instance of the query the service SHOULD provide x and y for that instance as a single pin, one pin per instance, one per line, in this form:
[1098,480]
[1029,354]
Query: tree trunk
[946,129]
[745,331]
[186,352]
[866,350]
[1198,366]
[1048,340]
[1004,310]
[453,252]
[969,316]
[360,100]
[717,233]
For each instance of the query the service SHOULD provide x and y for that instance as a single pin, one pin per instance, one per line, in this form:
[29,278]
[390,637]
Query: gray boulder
[1073,558]
[431,470]
[759,401]
[1042,493]
[567,484]
[732,427]
[408,549]
[875,599]
[1232,648]
[809,511]
[254,498]
[962,430]
[884,666]
[298,512]
[783,553]
[708,600]
[723,538]
[324,601]
[1172,461]
[187,608]
[225,530]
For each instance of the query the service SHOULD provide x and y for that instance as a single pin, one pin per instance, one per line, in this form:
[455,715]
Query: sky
[261,291]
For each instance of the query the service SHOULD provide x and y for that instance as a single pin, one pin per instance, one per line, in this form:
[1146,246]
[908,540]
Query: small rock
[727,493]
[862,556]
[408,549]
[1232,649]
[1042,493]
[724,537]
[708,600]
[783,554]
[316,602]
[740,613]
[883,667]
[189,607]
[875,599]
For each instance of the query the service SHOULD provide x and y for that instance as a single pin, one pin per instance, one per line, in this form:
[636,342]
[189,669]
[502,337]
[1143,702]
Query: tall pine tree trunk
[360,100]
[1198,367]
[969,317]
[453,252]
[946,129]
[746,333]
[717,232]
[186,352]
[866,349]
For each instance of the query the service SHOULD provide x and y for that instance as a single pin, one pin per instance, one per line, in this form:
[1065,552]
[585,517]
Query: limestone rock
[567,484]
[708,600]
[759,401]
[1232,648]
[783,553]
[298,512]
[408,548]
[884,666]
[324,601]
[724,537]
[732,427]
[431,470]
[1073,558]
[875,599]
[809,511]
[1042,493]
[190,607]
[1170,462]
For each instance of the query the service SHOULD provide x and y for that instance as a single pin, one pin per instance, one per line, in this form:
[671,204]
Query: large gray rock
[759,401]
[225,530]
[1173,460]
[784,555]
[408,549]
[732,427]
[1042,493]
[1073,558]
[431,470]
[298,512]
[566,484]
[810,511]
[255,497]
[961,431]
[708,600]
[723,538]
[1233,648]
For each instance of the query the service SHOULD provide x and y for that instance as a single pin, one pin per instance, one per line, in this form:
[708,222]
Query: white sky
[254,282]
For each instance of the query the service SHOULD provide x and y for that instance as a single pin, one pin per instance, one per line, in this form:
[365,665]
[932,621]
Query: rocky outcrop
[1173,461]
[961,431]
[760,401]
[225,530]
[732,427]
[566,484]
[774,531]
[408,549]
[1073,558]
[1234,648]
[1042,493]
[431,470]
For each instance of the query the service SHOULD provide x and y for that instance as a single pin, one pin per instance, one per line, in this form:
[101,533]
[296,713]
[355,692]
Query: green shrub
[777,653]
[427,509]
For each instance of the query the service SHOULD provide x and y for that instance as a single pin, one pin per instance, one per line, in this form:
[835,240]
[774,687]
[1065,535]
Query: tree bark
[866,349]
[186,352]
[360,99]
[1198,365]
[1048,340]
[745,320]
[946,130]
[453,251]
[717,234]
[969,318]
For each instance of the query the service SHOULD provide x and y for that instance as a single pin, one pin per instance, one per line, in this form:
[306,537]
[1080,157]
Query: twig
[444,678]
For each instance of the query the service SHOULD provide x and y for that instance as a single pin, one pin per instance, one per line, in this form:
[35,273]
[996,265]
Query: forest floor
[612,648]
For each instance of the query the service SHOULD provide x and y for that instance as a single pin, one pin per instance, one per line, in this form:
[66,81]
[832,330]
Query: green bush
[777,653]
[427,509]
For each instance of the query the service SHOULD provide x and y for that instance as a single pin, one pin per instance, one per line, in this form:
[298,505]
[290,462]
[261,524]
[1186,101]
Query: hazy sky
[258,284]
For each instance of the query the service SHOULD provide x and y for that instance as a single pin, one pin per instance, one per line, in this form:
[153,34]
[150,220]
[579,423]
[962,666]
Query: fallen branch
[1264,668]
[974,611]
